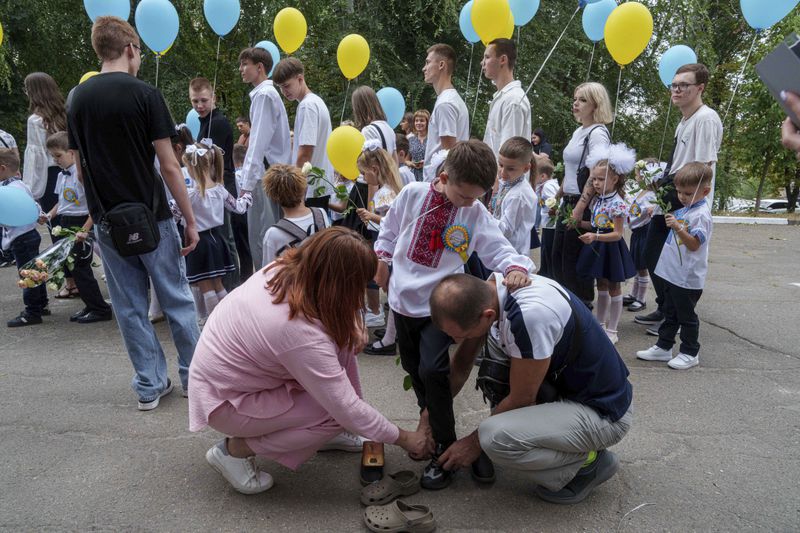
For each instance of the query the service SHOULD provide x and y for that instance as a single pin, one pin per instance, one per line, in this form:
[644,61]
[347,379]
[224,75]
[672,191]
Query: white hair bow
[207,141]
[179,126]
[194,151]
[621,158]
[370,145]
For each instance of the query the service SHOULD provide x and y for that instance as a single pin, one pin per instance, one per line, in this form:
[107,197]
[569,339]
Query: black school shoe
[76,316]
[649,319]
[434,477]
[601,470]
[94,316]
[24,319]
[628,299]
[389,349]
[483,469]
[380,333]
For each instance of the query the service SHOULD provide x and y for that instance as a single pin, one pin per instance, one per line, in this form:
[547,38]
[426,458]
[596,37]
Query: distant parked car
[775,206]
[740,205]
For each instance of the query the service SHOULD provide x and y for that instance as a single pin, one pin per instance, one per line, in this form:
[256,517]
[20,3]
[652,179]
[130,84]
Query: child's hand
[650,211]
[43,219]
[516,280]
[382,276]
[588,238]
[81,236]
[363,214]
[672,222]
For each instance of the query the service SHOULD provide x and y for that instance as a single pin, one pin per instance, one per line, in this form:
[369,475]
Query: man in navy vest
[559,391]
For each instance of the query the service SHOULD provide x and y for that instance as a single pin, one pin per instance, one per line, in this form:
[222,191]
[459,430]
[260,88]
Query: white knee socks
[601,309]
[211,301]
[614,312]
[641,285]
[391,333]
[199,304]
[221,294]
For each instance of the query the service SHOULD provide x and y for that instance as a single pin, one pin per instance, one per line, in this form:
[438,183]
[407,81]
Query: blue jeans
[26,247]
[128,286]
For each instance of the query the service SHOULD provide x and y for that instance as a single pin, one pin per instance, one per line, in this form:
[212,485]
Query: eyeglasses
[138,48]
[680,87]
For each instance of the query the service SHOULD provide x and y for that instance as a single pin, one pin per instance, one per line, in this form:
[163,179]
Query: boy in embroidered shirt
[683,265]
[514,204]
[428,234]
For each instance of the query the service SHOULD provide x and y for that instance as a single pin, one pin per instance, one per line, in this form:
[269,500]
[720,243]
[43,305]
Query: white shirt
[209,210]
[269,134]
[71,196]
[572,153]
[549,190]
[11,233]
[639,208]
[509,116]
[687,269]
[515,214]
[450,118]
[370,131]
[312,127]
[407,175]
[275,238]
[37,158]
[698,139]
[7,140]
[381,202]
[419,213]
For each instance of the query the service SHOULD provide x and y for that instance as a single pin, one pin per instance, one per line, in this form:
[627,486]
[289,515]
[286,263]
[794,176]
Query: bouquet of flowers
[48,266]
[316,178]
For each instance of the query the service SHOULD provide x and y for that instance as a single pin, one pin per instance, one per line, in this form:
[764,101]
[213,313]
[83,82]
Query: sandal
[399,516]
[66,294]
[391,487]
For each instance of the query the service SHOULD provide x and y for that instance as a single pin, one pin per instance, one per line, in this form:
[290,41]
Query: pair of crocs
[386,514]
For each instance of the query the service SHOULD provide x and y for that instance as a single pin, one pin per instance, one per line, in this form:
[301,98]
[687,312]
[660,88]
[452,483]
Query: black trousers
[26,247]
[679,304]
[657,232]
[567,247]
[546,253]
[82,269]
[424,354]
[239,227]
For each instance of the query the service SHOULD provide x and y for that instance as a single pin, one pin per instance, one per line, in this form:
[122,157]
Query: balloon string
[214,87]
[158,57]
[739,77]
[591,60]
[666,126]
[550,54]
[477,92]
[469,69]
[344,104]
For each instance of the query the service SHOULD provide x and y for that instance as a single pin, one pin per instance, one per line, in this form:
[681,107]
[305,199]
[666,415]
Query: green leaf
[407,382]
[319,191]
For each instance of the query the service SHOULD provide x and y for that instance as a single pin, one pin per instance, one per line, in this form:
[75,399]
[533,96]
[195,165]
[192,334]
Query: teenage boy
[312,125]
[510,110]
[514,204]
[682,268]
[116,166]
[430,231]
[698,138]
[449,122]
[269,144]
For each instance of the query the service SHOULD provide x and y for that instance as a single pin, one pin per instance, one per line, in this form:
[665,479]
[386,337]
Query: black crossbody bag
[583,170]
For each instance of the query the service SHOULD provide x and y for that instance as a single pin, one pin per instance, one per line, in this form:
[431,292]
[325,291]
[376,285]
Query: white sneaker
[375,321]
[683,361]
[345,442]
[242,474]
[654,353]
[612,336]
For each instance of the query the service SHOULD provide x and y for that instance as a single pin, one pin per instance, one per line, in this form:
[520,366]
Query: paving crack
[750,341]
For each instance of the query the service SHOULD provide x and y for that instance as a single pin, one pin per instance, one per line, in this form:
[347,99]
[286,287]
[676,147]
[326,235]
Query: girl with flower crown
[606,258]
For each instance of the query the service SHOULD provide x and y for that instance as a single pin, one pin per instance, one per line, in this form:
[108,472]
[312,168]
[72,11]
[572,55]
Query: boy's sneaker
[654,353]
[434,477]
[152,404]
[373,320]
[650,319]
[683,361]
[636,306]
[344,442]
[242,474]
[628,299]
[24,319]
[588,477]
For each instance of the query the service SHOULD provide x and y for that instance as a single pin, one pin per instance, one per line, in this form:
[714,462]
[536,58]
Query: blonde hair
[694,175]
[206,167]
[9,158]
[597,94]
[388,174]
[285,184]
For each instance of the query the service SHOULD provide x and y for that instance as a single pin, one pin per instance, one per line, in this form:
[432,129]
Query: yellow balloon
[508,32]
[490,19]
[165,51]
[345,144]
[1,34]
[628,32]
[90,74]
[290,29]
[352,55]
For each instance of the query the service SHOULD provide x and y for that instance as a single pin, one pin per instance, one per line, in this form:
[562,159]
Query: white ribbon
[370,145]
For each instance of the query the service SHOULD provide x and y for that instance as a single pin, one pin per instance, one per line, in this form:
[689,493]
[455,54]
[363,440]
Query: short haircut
[200,84]
[246,120]
[424,113]
[460,299]
[505,47]
[9,158]
[545,166]
[239,152]
[257,55]
[518,148]
[471,162]
[286,185]
[287,69]
[693,175]
[402,144]
[110,36]
[446,52]
[597,94]
[699,70]
[58,141]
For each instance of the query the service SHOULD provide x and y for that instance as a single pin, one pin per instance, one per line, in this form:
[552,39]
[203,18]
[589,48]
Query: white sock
[642,282]
[601,309]
[391,333]
[211,301]
[614,312]
[635,288]
[199,304]
[221,294]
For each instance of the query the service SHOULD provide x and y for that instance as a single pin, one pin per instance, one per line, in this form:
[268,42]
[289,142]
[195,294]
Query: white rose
[550,203]
[52,286]
[57,231]
[306,168]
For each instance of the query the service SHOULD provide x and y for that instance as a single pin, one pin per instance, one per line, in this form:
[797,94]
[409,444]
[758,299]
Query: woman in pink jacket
[275,368]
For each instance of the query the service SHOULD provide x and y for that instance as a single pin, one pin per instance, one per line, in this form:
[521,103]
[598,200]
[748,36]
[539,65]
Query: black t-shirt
[222,135]
[113,120]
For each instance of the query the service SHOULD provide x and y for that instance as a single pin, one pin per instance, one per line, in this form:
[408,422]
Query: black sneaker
[650,319]
[24,319]
[76,316]
[483,469]
[602,469]
[628,299]
[46,312]
[94,316]
[434,477]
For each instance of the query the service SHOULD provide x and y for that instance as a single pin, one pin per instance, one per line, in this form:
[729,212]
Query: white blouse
[37,159]
[209,210]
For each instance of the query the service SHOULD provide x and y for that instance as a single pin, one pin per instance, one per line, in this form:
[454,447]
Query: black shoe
[76,316]
[24,319]
[380,333]
[628,299]
[650,319]
[483,469]
[46,312]
[637,306]
[602,469]
[434,477]
[390,349]
[94,316]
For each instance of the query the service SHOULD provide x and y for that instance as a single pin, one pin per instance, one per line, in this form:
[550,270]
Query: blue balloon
[17,208]
[594,19]
[672,60]
[193,123]
[523,10]
[584,3]
[157,24]
[222,15]
[270,47]
[762,14]
[465,23]
[102,8]
[393,104]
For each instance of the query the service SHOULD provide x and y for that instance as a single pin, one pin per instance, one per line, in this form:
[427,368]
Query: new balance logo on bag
[133,238]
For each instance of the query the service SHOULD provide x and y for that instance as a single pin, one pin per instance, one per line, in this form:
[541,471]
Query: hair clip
[180,126]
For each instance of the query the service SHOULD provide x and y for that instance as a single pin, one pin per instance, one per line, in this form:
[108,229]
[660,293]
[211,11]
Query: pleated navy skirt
[606,260]
[638,243]
[211,258]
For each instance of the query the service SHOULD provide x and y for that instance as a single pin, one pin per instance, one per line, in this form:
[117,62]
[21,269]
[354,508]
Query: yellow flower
[21,284]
